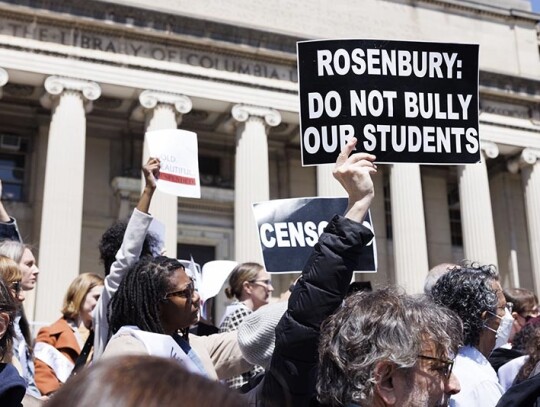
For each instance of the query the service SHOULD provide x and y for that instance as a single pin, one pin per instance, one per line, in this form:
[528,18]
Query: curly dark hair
[112,239]
[136,302]
[468,291]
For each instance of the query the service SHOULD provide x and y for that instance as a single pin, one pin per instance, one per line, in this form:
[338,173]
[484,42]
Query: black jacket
[291,378]
[523,394]
[12,386]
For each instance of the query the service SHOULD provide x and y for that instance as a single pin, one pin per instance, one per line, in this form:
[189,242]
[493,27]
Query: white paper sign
[177,150]
[214,275]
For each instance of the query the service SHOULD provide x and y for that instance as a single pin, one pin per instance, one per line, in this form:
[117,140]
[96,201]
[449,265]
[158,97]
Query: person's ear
[515,315]
[485,316]
[246,286]
[4,323]
[384,382]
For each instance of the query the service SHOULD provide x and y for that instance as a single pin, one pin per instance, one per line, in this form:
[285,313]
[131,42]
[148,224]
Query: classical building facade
[81,82]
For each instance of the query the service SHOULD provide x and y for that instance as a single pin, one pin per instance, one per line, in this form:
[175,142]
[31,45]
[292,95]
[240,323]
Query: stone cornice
[486,9]
[510,87]
[133,20]
[242,113]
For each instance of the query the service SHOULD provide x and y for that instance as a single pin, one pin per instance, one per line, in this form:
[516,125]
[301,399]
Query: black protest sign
[414,102]
[289,228]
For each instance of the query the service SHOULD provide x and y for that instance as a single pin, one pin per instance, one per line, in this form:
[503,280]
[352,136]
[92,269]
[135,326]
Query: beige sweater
[219,353]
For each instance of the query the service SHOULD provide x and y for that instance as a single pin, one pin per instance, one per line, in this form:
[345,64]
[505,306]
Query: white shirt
[478,380]
[508,372]
[127,256]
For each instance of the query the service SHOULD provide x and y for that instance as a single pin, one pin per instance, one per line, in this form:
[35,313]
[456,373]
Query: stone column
[327,185]
[251,175]
[435,190]
[4,77]
[476,213]
[61,220]
[529,162]
[408,227]
[164,111]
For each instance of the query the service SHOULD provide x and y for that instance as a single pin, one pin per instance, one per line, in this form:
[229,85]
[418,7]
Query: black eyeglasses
[266,281]
[446,365]
[185,293]
[16,286]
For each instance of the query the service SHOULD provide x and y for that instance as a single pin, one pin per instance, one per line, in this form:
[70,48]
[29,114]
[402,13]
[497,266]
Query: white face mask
[504,330]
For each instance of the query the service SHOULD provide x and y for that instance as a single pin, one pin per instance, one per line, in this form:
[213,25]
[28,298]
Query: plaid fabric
[231,323]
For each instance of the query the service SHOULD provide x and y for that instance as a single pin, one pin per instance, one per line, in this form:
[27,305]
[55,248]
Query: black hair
[112,239]
[136,302]
[468,291]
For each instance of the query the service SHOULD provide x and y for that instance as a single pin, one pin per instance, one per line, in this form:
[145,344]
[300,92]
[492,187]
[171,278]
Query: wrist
[358,209]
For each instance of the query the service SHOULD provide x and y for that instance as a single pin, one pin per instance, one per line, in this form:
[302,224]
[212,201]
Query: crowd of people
[125,339]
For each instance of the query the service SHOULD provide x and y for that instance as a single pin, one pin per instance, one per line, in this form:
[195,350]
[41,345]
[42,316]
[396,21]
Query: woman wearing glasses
[151,313]
[250,286]
[59,345]
[21,352]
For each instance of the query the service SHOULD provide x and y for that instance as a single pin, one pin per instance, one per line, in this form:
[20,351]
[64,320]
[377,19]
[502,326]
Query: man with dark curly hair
[475,294]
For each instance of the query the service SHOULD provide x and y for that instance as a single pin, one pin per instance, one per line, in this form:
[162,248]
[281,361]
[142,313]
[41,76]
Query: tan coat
[219,353]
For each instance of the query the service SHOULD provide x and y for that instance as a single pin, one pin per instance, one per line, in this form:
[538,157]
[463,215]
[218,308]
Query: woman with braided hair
[151,313]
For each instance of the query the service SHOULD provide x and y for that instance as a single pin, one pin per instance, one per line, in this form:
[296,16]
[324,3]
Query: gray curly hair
[468,291]
[384,325]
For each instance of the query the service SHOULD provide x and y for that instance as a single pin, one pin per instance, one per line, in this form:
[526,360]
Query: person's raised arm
[150,172]
[127,255]
[322,286]
[4,216]
[8,225]
[354,174]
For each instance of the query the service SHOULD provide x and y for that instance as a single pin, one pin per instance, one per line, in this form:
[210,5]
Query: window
[12,166]
[387,206]
[454,213]
[211,174]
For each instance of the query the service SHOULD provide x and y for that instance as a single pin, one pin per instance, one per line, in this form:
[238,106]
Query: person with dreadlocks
[151,313]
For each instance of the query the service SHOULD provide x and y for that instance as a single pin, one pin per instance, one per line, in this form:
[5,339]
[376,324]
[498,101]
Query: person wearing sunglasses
[12,246]
[250,285]
[151,312]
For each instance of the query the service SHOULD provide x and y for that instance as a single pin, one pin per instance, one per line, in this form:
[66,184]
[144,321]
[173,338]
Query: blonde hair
[9,270]
[240,274]
[76,293]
